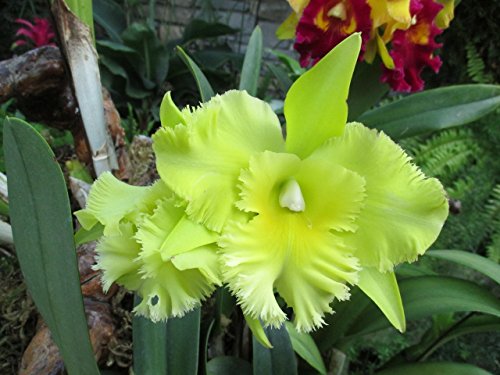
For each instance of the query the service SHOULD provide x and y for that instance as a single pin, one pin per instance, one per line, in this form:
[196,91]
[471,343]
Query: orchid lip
[291,196]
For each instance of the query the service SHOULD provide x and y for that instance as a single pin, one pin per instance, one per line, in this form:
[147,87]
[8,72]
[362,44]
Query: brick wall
[173,15]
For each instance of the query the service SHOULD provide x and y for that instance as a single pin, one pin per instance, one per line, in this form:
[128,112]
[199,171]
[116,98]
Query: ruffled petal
[111,200]
[403,210]
[308,266]
[171,292]
[169,233]
[324,24]
[413,49]
[116,259]
[288,249]
[252,257]
[203,258]
[202,160]
[175,279]
[391,13]
[333,195]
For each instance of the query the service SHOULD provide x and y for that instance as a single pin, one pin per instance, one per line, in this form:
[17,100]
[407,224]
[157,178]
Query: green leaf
[429,295]
[183,344]
[474,261]
[150,345]
[277,361]
[43,235]
[228,366]
[204,87]
[346,314]
[382,288]
[200,29]
[83,236]
[305,347]
[366,89]
[251,65]
[435,369]
[153,58]
[110,15]
[433,110]
[427,345]
[476,324]
[283,80]
[315,106]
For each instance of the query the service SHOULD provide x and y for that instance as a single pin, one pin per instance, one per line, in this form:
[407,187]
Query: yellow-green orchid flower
[151,247]
[332,206]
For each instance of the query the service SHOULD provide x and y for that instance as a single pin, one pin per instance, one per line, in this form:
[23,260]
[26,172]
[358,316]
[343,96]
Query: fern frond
[446,153]
[492,211]
[475,66]
[493,249]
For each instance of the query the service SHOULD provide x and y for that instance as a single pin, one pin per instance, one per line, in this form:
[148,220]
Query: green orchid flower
[151,247]
[332,206]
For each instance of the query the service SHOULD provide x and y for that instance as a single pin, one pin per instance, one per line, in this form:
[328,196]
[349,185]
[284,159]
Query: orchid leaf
[43,235]
[204,87]
[366,89]
[251,65]
[433,110]
[315,106]
[277,361]
[429,295]
[474,261]
[150,345]
[183,344]
[434,369]
[227,365]
[305,347]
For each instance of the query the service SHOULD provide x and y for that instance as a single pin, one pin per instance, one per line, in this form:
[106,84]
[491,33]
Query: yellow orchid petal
[111,200]
[383,289]
[202,160]
[116,258]
[168,233]
[287,29]
[384,53]
[288,249]
[403,210]
[298,6]
[446,14]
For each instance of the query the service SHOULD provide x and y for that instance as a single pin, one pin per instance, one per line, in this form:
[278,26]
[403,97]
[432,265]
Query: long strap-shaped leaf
[429,295]
[277,361]
[477,262]
[204,87]
[433,110]
[43,235]
[150,345]
[183,344]
[251,65]
[435,369]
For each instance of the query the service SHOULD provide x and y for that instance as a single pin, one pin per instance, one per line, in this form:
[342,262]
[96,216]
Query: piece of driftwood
[39,83]
[37,80]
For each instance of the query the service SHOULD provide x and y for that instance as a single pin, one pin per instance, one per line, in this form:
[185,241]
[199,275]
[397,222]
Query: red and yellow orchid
[401,32]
